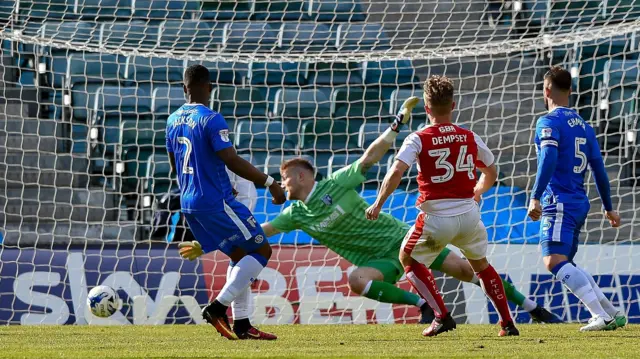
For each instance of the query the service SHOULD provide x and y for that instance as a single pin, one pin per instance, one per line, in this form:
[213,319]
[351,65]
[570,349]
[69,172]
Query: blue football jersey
[577,147]
[194,134]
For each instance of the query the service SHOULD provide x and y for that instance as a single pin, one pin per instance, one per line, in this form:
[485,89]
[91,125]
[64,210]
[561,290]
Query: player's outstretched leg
[450,263]
[423,281]
[242,308]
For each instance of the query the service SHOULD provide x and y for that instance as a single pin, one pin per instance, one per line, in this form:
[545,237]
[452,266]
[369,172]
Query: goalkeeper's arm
[380,146]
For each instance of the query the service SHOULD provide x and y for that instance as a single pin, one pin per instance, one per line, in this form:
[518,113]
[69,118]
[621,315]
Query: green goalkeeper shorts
[392,269]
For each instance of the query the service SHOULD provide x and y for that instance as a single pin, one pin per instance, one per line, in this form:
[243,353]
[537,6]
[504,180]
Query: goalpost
[89,84]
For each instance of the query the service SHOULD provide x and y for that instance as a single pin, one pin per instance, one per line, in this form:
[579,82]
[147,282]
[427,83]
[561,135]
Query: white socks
[242,305]
[242,275]
[578,283]
[604,302]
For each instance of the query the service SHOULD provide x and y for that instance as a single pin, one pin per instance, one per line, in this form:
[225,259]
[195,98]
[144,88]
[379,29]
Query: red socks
[493,288]
[423,281]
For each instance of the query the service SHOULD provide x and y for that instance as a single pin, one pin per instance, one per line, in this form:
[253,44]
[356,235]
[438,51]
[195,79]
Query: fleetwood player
[447,157]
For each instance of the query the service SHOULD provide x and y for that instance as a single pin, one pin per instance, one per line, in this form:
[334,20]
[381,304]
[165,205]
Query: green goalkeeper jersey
[334,214]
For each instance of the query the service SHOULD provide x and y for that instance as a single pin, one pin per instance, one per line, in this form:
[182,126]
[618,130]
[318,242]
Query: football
[103,301]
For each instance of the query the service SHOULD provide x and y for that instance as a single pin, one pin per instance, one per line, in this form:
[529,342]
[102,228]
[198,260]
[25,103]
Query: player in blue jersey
[566,145]
[200,151]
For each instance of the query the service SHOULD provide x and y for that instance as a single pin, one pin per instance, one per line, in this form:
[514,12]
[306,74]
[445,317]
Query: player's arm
[602,179]
[406,157]
[547,161]
[172,163]
[380,146]
[282,223]
[485,162]
[218,133]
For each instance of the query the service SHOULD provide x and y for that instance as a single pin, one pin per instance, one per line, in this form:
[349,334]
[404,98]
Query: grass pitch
[306,341]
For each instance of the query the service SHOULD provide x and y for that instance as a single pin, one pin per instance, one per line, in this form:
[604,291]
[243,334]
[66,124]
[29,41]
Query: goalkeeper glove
[405,113]
[190,250]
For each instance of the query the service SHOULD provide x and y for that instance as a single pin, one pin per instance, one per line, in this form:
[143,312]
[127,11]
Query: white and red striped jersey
[447,156]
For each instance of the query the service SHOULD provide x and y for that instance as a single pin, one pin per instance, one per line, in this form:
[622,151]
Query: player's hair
[298,163]
[438,94]
[196,75]
[559,77]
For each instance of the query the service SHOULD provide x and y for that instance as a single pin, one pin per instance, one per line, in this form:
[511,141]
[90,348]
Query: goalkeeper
[332,212]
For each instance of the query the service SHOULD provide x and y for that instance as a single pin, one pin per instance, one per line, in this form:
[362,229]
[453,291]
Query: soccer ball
[103,301]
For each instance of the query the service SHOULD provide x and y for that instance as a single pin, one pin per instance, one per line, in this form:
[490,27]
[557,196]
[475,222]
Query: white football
[103,301]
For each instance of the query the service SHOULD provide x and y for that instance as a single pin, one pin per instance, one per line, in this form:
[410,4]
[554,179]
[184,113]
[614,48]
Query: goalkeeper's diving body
[200,152]
[332,212]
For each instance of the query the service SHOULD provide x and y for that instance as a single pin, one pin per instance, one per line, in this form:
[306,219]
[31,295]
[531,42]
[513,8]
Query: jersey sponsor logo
[326,199]
[447,129]
[441,140]
[224,135]
[546,132]
[259,238]
[327,222]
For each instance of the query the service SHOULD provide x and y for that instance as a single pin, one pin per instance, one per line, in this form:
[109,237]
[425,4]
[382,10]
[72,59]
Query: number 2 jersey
[194,134]
[577,146]
[447,156]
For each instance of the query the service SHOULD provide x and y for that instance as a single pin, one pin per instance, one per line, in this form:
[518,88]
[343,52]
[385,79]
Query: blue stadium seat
[362,37]
[269,136]
[113,105]
[190,35]
[353,102]
[134,35]
[141,70]
[51,58]
[251,36]
[278,10]
[295,103]
[334,10]
[40,11]
[385,73]
[334,73]
[138,140]
[326,135]
[238,103]
[158,179]
[104,9]
[165,100]
[160,10]
[572,14]
[225,72]
[369,132]
[622,10]
[308,36]
[85,74]
[225,10]
[274,73]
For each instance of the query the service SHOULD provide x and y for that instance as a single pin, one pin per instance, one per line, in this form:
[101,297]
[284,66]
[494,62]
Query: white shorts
[431,234]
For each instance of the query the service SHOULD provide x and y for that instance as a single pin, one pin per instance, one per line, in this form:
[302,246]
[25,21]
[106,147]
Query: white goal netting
[88,86]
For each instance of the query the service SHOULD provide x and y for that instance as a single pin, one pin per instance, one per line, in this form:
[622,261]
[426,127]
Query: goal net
[89,84]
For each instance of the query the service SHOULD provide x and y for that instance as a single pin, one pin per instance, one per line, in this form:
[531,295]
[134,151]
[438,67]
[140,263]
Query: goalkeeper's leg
[376,280]
[450,263]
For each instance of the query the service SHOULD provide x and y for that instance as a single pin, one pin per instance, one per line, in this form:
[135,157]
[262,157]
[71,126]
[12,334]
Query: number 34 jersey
[447,157]
[194,134]
[576,142]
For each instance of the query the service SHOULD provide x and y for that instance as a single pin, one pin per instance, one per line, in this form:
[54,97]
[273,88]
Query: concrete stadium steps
[63,233]
[63,204]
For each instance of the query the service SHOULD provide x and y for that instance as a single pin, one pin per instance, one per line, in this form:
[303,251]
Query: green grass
[302,341]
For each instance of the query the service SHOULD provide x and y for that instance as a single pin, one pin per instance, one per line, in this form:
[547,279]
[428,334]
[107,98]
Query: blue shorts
[225,231]
[560,228]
